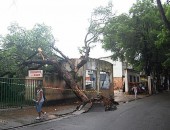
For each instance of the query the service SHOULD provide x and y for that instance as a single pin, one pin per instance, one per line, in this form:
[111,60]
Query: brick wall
[118,83]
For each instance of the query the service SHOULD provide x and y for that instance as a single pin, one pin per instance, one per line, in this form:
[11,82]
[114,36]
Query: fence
[16,92]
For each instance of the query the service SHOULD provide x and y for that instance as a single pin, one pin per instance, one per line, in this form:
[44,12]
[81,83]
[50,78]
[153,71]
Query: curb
[58,116]
[122,102]
[41,121]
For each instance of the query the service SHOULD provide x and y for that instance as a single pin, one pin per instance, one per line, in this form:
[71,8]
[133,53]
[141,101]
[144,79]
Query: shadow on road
[99,107]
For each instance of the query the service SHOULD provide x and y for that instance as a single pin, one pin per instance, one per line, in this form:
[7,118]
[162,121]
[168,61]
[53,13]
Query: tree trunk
[162,13]
[70,81]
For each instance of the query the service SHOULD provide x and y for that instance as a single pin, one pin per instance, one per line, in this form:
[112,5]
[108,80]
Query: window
[130,78]
[104,80]
[134,79]
[138,79]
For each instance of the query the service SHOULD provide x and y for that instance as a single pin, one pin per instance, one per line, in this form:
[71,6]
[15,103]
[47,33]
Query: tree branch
[72,66]
[65,75]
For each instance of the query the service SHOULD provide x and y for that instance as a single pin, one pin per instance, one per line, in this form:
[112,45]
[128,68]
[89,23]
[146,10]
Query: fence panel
[17,92]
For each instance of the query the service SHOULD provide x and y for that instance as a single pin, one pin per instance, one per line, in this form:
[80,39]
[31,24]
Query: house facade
[94,78]
[118,72]
[124,77]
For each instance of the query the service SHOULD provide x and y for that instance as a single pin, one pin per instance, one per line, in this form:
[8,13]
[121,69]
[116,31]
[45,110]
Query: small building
[118,72]
[132,78]
[124,77]
[98,76]
[94,78]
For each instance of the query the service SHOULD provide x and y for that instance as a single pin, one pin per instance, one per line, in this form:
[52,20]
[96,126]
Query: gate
[17,92]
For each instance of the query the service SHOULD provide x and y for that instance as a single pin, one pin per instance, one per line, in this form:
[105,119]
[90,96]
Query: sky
[67,18]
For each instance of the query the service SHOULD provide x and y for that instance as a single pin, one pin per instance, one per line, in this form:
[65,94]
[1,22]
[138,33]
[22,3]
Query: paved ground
[19,117]
[123,97]
[151,113]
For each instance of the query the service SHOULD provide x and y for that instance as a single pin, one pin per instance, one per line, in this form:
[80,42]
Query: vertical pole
[84,77]
[97,76]
[168,84]
[126,81]
[149,85]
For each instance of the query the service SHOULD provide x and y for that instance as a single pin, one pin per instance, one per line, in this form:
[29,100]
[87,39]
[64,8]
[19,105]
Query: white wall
[117,67]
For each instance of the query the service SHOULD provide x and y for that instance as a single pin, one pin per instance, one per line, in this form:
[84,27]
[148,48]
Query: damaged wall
[100,80]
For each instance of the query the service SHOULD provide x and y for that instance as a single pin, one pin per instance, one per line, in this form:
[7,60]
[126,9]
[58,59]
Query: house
[123,75]
[131,78]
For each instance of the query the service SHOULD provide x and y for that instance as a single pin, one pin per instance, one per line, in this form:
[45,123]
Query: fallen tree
[98,21]
[64,74]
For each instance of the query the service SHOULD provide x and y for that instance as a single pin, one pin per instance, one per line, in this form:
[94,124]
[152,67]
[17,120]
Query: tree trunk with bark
[162,13]
[96,28]
[65,74]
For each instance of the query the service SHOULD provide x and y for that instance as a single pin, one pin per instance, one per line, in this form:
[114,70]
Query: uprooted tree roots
[109,103]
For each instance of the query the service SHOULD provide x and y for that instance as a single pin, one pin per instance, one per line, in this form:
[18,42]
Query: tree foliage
[138,37]
[100,17]
[19,48]
[164,36]
[20,44]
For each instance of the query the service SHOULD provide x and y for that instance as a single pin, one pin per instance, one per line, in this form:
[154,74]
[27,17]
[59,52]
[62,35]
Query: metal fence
[17,92]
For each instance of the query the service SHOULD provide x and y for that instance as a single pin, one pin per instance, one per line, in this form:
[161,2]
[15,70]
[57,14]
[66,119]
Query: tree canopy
[139,37]
[19,44]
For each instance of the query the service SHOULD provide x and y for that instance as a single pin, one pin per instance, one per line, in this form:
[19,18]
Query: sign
[35,73]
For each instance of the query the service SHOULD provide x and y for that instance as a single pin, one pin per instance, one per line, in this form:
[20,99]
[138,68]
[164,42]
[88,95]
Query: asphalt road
[150,113]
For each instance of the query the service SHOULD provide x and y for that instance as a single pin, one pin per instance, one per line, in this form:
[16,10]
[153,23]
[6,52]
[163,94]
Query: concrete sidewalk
[13,118]
[121,97]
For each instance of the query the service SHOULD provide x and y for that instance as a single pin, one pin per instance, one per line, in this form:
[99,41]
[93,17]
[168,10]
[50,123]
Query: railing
[16,92]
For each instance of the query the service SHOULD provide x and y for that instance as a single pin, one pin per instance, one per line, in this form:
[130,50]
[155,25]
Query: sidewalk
[121,97]
[21,117]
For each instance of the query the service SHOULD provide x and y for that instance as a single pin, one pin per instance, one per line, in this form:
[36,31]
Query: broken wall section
[98,78]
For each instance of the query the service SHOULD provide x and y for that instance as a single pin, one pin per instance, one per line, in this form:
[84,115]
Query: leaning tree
[98,21]
[22,49]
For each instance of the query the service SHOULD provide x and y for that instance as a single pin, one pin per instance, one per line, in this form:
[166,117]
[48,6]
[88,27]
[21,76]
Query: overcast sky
[68,19]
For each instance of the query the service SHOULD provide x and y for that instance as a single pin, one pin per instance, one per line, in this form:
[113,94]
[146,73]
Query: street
[150,113]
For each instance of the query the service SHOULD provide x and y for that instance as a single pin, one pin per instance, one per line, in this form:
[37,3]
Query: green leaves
[20,44]
[140,37]
[99,19]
